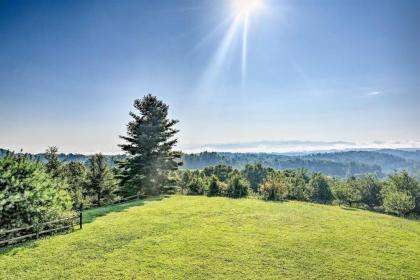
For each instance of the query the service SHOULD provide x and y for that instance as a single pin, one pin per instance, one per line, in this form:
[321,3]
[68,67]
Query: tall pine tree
[53,164]
[149,146]
[100,180]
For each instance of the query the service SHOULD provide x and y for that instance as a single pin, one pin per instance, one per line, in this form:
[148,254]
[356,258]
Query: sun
[243,8]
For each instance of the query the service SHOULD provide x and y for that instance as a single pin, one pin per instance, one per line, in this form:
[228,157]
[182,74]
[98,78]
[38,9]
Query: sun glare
[243,8]
[241,13]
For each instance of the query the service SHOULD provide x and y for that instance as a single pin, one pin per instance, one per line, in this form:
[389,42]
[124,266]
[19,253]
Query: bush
[29,195]
[370,190]
[100,182]
[75,175]
[196,186]
[255,174]
[170,189]
[403,182]
[214,187]
[298,185]
[221,171]
[399,203]
[237,187]
[320,188]
[274,187]
[347,192]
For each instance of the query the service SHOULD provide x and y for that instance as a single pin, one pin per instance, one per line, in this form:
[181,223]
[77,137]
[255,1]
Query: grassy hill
[219,238]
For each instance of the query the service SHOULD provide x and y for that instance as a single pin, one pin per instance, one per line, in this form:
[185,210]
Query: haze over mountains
[345,163]
[298,146]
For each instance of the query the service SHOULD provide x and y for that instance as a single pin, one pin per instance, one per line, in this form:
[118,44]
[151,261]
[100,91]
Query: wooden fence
[117,201]
[12,236]
[35,231]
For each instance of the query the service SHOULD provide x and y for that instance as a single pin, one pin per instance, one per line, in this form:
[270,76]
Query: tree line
[34,191]
[338,164]
[399,193]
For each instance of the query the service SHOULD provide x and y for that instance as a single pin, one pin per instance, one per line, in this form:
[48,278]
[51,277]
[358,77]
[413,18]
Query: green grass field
[218,238]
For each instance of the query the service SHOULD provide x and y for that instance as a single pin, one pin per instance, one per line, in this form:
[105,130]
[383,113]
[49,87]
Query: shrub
[319,188]
[100,180]
[298,185]
[399,203]
[403,182]
[255,174]
[347,192]
[75,175]
[196,186]
[237,187]
[214,187]
[169,189]
[29,195]
[221,171]
[370,191]
[274,187]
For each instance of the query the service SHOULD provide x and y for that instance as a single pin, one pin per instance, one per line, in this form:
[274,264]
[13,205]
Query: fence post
[81,216]
[37,230]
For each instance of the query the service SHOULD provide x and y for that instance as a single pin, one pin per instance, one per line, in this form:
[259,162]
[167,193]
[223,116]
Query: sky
[320,71]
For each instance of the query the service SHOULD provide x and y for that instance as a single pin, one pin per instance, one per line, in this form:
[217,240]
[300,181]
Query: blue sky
[315,70]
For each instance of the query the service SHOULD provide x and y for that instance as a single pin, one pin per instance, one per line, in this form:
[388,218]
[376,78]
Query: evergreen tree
[214,186]
[320,188]
[255,173]
[149,144]
[237,186]
[53,165]
[75,174]
[100,180]
[28,194]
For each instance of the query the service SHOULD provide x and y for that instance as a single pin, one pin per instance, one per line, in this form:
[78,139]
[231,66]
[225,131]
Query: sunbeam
[244,51]
[241,12]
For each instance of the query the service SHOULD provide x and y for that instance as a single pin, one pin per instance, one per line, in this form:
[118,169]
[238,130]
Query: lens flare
[237,30]
[243,8]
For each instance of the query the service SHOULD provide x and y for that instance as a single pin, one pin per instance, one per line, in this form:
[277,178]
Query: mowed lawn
[218,238]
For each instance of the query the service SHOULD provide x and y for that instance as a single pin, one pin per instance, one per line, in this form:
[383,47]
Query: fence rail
[16,235]
[117,201]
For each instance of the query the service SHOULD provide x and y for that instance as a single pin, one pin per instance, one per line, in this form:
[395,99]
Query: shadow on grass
[88,216]
[14,248]
[91,214]
[348,208]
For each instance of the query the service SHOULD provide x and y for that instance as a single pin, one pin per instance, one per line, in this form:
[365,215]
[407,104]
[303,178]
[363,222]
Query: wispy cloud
[373,93]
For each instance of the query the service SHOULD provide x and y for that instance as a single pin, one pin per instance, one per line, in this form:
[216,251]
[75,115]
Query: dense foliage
[337,164]
[100,180]
[28,194]
[48,185]
[398,194]
[149,144]
[76,175]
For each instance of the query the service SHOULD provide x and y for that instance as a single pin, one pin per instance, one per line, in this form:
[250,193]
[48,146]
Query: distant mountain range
[298,146]
[341,164]
[334,163]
